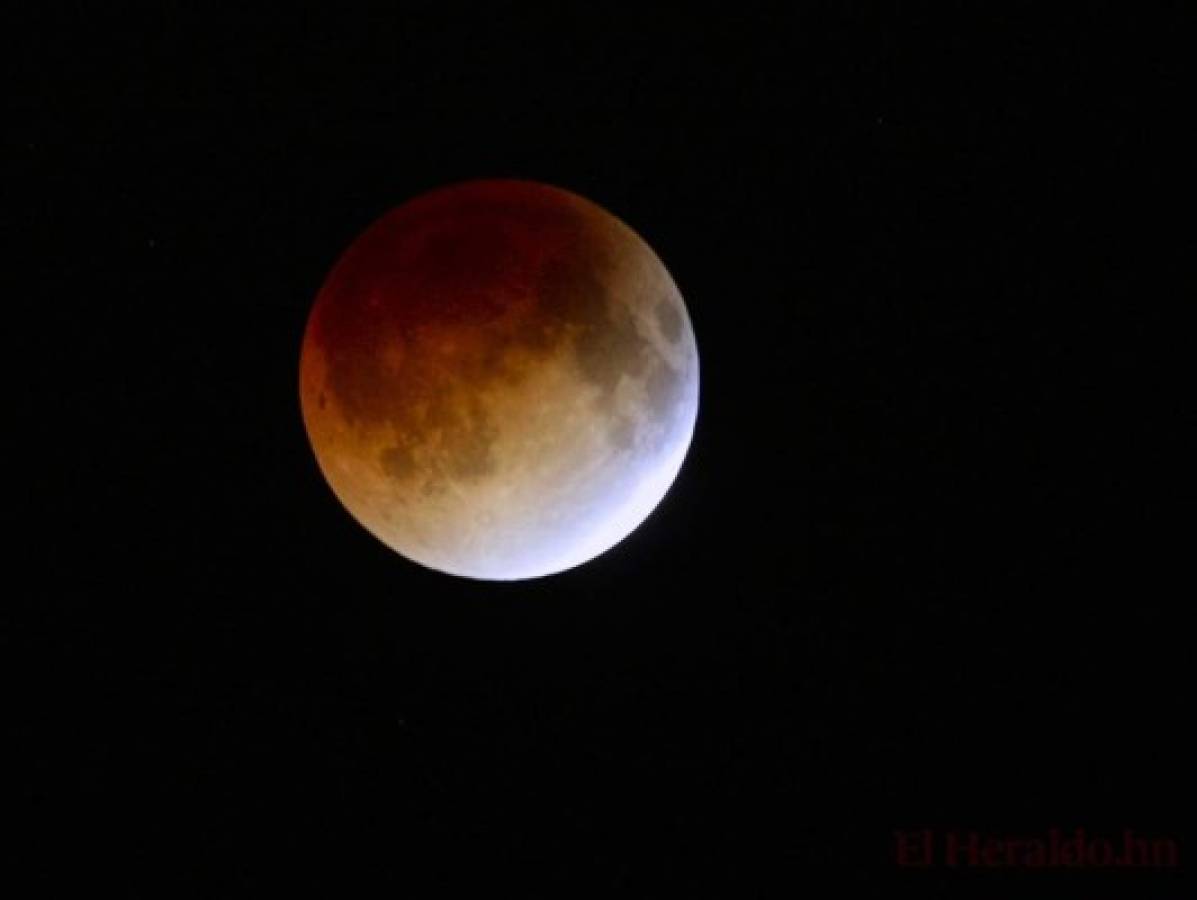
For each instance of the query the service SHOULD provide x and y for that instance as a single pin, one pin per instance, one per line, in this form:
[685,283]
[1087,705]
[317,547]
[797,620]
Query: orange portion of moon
[499,380]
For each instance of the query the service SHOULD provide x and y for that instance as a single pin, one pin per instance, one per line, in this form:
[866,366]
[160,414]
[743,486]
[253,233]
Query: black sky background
[920,568]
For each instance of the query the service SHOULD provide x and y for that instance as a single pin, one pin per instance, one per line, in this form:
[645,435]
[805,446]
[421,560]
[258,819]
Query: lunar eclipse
[499,380]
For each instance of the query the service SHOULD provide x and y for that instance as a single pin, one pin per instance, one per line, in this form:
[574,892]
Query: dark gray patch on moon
[471,451]
[433,487]
[665,387]
[576,292]
[467,438]
[669,318]
[622,433]
[398,462]
[570,292]
[610,349]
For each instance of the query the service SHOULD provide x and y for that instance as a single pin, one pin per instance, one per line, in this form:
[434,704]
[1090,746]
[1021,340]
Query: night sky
[919,569]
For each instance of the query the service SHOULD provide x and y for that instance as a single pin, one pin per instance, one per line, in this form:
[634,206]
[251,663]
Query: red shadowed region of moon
[499,380]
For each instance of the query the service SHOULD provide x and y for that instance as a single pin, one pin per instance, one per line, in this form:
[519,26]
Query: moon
[499,380]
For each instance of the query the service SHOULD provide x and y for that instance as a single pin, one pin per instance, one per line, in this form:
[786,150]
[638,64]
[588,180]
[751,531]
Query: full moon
[499,380]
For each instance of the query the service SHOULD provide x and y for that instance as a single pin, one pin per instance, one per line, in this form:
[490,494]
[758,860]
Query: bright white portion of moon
[500,380]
